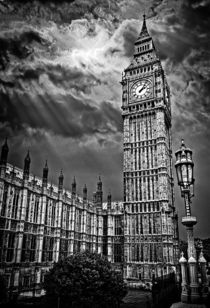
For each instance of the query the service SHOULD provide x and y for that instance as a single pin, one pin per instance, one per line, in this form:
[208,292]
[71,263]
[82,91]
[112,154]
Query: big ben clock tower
[150,228]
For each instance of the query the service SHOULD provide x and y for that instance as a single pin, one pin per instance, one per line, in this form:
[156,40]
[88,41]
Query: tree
[84,280]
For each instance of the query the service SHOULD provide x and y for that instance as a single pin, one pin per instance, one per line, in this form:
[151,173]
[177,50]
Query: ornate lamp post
[184,169]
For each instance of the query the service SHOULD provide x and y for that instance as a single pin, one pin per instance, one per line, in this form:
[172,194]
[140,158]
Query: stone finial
[201,258]
[191,260]
[182,259]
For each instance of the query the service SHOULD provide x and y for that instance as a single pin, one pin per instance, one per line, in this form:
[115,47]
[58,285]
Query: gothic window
[117,252]
[67,217]
[32,208]
[44,249]
[141,224]
[36,209]
[150,226]
[64,247]
[137,252]
[53,213]
[28,206]
[2,241]
[15,203]
[76,246]
[88,224]
[104,248]
[151,253]
[51,244]
[142,253]
[105,225]
[46,212]
[88,246]
[24,251]
[137,224]
[4,201]
[10,247]
[78,220]
[26,281]
[32,248]
[118,228]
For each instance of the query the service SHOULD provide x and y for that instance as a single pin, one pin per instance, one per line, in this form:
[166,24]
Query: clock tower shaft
[151,227]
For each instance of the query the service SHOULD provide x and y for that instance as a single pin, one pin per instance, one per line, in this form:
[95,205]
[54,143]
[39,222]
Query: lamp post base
[185,305]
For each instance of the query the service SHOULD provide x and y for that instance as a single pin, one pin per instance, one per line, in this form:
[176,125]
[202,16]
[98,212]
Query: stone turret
[74,187]
[99,193]
[60,182]
[85,193]
[26,170]
[109,201]
[45,175]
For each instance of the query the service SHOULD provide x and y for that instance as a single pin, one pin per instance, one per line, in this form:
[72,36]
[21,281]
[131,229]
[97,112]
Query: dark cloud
[70,117]
[17,44]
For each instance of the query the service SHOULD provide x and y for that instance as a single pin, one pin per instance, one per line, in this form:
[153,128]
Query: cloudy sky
[60,67]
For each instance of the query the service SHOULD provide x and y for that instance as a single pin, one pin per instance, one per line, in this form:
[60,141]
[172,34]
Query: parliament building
[41,222]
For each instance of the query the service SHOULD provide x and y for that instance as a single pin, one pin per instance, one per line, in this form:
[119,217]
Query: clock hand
[143,87]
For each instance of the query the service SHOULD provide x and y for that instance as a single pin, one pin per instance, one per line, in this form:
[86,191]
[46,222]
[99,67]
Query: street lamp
[184,169]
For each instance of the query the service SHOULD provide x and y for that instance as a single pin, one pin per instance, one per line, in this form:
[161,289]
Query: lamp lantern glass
[184,166]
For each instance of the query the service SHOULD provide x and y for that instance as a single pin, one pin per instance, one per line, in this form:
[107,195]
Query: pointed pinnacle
[5,145]
[144,31]
[28,156]
[61,174]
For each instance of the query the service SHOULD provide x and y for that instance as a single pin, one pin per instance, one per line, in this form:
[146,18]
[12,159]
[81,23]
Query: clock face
[141,89]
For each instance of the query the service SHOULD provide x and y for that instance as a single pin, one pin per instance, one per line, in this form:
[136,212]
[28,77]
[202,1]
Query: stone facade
[151,226]
[41,222]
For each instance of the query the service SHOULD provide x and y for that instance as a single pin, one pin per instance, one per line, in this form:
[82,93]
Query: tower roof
[144,31]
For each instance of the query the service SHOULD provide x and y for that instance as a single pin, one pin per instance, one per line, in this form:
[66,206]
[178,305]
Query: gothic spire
[99,184]
[74,186]
[27,162]
[60,181]
[45,174]
[109,200]
[144,31]
[85,192]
